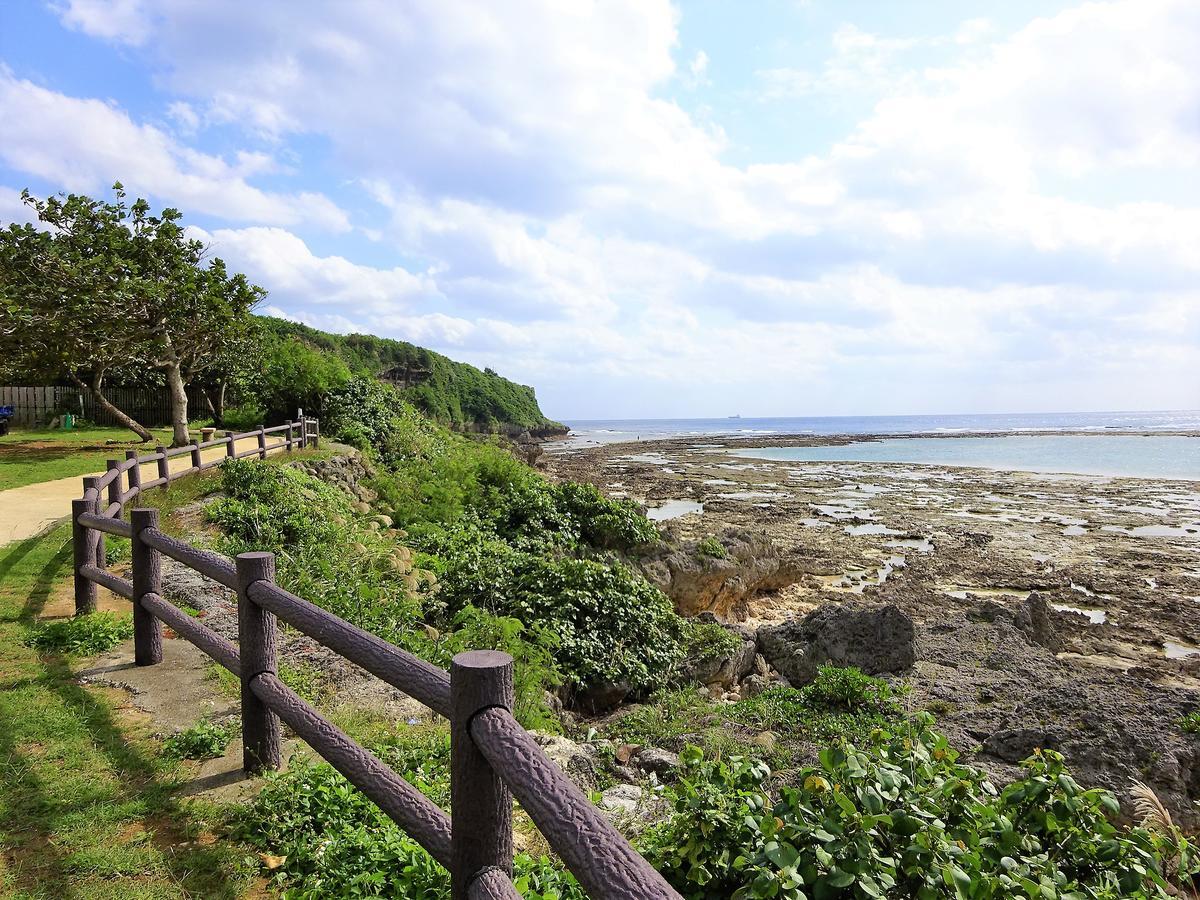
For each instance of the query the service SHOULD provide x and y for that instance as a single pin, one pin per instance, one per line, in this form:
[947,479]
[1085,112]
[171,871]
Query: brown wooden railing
[492,758]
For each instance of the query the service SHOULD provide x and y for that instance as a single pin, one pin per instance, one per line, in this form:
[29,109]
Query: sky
[655,209]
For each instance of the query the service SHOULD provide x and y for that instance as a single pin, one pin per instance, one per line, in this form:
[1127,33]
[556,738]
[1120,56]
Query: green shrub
[708,640]
[204,740]
[244,417]
[711,548]
[1191,722]
[847,688]
[902,819]
[534,669]
[334,842]
[611,624]
[83,635]
[325,552]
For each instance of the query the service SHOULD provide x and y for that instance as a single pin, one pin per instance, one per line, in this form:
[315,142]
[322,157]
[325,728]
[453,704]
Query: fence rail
[493,758]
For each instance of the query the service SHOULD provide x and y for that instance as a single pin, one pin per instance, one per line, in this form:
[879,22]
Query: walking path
[28,510]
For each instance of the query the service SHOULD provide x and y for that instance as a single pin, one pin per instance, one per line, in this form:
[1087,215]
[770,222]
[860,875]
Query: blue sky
[783,207]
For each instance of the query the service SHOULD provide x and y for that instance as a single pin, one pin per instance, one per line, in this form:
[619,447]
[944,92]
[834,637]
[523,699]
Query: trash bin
[68,421]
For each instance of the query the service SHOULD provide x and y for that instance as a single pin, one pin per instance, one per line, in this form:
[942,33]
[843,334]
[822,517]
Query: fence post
[85,591]
[197,462]
[289,435]
[230,452]
[114,486]
[262,442]
[147,579]
[164,466]
[480,804]
[316,434]
[303,429]
[95,540]
[135,471]
[256,639]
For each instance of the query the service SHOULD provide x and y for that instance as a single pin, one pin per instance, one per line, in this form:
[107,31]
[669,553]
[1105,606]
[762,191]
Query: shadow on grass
[197,869]
[37,860]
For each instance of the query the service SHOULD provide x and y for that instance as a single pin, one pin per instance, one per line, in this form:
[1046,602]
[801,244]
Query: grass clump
[1190,723]
[204,740]
[711,548]
[84,635]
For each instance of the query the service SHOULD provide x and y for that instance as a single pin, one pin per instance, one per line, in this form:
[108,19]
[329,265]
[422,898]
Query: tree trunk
[219,412]
[93,390]
[179,405]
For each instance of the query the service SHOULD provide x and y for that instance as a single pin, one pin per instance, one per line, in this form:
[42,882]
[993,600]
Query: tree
[62,292]
[122,285]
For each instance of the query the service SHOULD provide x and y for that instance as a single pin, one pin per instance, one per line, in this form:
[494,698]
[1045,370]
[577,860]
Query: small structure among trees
[103,289]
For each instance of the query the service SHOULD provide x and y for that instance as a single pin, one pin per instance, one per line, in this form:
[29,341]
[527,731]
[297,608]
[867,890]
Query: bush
[902,819]
[83,635]
[331,841]
[1191,722]
[325,551]
[243,417]
[712,548]
[204,740]
[708,640]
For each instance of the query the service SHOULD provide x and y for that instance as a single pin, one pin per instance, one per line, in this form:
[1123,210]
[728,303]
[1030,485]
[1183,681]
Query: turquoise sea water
[1139,456]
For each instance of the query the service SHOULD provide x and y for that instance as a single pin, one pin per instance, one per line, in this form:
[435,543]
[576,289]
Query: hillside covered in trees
[454,393]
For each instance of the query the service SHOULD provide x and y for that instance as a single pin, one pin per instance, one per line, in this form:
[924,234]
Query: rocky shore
[1024,610]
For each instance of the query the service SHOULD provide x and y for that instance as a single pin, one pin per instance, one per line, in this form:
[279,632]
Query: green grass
[87,809]
[32,456]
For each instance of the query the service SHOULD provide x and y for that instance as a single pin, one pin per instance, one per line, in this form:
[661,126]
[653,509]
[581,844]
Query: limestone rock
[698,583]
[874,638]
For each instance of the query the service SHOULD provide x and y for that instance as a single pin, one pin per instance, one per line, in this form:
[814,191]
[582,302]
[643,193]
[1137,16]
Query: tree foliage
[103,284]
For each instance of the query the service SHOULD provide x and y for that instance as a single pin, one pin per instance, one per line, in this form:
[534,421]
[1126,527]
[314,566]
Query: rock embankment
[702,582]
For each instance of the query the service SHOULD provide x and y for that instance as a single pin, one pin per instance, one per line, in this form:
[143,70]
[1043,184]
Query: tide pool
[1134,456]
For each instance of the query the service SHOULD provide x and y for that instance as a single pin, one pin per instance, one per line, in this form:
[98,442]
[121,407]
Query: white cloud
[125,21]
[87,144]
[575,228]
[282,262]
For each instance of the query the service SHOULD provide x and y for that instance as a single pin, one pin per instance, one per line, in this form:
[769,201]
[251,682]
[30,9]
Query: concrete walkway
[28,510]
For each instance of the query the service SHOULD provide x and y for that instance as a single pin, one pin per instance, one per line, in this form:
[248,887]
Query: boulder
[697,582]
[875,638]
[598,698]
[726,669]
[662,763]
[577,761]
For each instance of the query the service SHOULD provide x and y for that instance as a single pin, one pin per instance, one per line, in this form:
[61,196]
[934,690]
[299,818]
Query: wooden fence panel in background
[35,406]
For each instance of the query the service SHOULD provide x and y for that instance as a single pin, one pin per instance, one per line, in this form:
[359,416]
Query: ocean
[1107,449]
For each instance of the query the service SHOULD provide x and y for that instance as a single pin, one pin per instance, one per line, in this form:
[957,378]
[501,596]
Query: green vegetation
[450,392]
[204,740]
[901,818]
[87,805]
[327,839]
[82,635]
[1191,722]
[327,553]
[711,548]
[841,705]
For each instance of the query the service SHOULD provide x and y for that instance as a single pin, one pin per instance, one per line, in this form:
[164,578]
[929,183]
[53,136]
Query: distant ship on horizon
[734,417]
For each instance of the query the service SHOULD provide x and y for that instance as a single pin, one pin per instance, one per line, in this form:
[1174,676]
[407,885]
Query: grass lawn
[86,805]
[31,456]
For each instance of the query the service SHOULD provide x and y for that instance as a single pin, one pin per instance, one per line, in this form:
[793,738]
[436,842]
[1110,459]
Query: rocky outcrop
[874,638]
[697,581]
[348,472]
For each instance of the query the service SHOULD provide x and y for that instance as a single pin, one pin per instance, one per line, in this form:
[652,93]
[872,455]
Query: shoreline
[1108,565]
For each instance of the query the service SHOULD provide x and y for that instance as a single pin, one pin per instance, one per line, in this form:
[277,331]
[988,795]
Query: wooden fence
[492,758]
[35,406]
